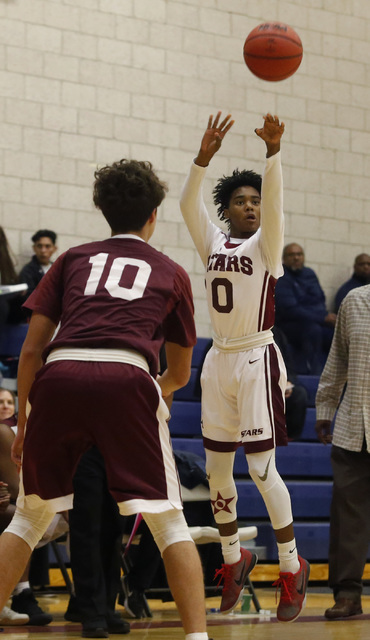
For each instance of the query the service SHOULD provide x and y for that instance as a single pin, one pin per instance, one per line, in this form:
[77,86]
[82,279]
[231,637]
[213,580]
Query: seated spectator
[23,599]
[296,398]
[301,312]
[10,303]
[44,245]
[360,276]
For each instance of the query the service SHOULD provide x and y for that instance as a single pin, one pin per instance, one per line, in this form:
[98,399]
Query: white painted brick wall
[86,82]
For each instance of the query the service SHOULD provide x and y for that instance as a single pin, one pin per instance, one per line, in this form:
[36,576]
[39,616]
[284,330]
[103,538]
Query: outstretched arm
[212,138]
[271,133]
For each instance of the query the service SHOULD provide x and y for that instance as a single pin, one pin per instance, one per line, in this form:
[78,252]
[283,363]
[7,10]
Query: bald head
[361,266]
[293,256]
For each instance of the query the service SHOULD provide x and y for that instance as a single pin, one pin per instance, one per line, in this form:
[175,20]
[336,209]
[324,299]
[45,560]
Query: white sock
[231,548]
[288,557]
[21,586]
[197,636]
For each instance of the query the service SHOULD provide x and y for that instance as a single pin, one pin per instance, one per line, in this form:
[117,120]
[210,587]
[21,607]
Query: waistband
[244,343]
[126,356]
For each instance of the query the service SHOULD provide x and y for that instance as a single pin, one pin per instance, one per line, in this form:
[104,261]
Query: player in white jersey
[244,377]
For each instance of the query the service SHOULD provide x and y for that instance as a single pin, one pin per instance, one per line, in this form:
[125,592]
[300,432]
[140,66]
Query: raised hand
[271,133]
[212,138]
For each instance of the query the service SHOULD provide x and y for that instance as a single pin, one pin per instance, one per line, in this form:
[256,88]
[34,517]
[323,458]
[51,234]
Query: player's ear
[225,214]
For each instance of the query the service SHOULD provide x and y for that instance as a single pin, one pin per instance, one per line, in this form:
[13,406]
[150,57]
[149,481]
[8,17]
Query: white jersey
[241,274]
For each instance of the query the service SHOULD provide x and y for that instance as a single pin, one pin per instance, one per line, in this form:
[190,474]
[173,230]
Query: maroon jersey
[118,293]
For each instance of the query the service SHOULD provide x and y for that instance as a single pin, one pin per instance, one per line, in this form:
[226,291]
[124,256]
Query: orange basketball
[273,51]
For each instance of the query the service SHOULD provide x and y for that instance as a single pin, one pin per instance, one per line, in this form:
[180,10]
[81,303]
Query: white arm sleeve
[272,216]
[194,211]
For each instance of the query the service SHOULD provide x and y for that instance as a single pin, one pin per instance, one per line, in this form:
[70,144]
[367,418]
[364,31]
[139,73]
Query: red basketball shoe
[293,588]
[234,577]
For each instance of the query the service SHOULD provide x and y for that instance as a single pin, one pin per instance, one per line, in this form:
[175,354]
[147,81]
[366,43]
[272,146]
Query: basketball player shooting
[244,377]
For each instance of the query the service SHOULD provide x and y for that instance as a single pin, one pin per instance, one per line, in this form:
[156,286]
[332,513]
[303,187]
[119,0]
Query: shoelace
[224,574]
[286,584]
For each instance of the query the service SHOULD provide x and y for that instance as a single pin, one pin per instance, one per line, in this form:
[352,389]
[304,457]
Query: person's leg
[294,570]
[296,409]
[349,530]
[17,543]
[183,567]
[14,556]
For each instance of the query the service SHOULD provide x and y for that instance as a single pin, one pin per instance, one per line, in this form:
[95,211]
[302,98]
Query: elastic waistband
[126,356]
[244,343]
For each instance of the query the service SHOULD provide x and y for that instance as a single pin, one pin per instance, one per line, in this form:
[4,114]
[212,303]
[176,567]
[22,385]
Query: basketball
[273,51]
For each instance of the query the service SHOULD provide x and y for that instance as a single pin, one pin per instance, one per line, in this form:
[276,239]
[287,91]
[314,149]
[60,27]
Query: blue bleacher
[12,338]
[310,383]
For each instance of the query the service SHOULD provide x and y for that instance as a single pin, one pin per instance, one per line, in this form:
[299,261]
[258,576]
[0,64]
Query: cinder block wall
[86,82]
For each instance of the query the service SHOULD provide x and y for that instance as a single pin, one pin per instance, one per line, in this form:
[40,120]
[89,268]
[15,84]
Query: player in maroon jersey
[116,301]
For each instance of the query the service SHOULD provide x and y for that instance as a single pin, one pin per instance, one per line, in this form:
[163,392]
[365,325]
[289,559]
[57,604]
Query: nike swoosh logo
[241,580]
[251,361]
[230,543]
[264,477]
[292,550]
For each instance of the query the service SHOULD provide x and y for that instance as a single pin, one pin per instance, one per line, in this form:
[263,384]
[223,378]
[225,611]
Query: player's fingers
[228,126]
[216,120]
[224,121]
[209,125]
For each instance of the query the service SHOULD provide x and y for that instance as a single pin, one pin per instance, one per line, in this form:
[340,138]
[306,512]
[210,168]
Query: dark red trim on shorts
[275,399]
[258,446]
[260,319]
[215,445]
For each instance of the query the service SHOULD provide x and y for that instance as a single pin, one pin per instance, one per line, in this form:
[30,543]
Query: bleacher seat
[310,383]
[12,338]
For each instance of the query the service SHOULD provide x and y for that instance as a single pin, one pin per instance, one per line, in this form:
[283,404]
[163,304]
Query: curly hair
[127,192]
[227,184]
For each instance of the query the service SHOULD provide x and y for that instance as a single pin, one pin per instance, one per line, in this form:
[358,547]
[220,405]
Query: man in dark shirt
[117,302]
[301,312]
[360,277]
[44,245]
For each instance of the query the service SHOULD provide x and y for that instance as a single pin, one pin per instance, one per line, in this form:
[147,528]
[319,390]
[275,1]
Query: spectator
[10,303]
[44,245]
[301,312]
[360,276]
[296,398]
[344,387]
[24,602]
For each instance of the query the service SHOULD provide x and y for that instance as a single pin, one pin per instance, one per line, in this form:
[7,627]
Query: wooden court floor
[165,625]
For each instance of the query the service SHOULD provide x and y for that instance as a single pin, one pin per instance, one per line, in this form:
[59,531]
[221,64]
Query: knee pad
[219,467]
[30,524]
[168,528]
[269,483]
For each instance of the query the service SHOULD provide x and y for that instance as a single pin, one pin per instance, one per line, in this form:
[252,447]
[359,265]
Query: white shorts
[243,399]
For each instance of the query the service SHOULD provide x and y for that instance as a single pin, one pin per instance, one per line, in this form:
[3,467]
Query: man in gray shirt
[348,369]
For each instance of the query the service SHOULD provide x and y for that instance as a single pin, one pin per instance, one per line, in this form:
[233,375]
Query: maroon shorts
[118,408]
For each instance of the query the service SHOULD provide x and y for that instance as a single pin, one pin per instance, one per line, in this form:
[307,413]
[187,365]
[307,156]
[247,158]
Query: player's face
[244,212]
[44,249]
[7,407]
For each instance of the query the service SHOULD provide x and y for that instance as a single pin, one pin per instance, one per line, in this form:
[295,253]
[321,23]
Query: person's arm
[192,204]
[272,216]
[39,334]
[178,370]
[333,379]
